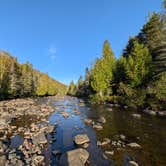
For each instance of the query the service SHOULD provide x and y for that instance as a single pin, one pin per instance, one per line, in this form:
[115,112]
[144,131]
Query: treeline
[138,77]
[21,80]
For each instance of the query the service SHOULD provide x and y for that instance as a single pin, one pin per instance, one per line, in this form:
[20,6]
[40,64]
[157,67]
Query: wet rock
[125,107]
[38,159]
[39,138]
[133,163]
[150,112]
[98,126]
[109,152]
[102,120]
[109,109]
[65,114]
[81,139]
[99,143]
[3,160]
[138,116]
[88,121]
[77,157]
[161,113]
[106,141]
[122,137]
[134,145]
[3,147]
[85,145]
[48,129]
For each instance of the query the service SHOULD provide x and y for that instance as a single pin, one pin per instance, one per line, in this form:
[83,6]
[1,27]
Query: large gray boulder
[77,157]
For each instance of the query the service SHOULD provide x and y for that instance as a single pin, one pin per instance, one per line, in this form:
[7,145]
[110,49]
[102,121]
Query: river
[147,131]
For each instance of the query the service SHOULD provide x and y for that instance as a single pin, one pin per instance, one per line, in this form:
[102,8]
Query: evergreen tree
[138,64]
[27,79]
[151,32]
[14,76]
[102,72]
[72,89]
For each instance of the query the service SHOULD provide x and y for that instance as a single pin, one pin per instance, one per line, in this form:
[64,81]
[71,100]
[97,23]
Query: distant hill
[22,80]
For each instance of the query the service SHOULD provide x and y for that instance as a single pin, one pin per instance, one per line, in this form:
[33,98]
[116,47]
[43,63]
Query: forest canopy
[21,80]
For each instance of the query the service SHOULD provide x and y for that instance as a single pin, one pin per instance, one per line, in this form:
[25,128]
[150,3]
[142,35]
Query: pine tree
[27,79]
[14,86]
[102,72]
[138,64]
[72,89]
[151,32]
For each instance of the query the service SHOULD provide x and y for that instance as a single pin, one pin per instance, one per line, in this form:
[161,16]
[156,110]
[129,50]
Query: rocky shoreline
[16,112]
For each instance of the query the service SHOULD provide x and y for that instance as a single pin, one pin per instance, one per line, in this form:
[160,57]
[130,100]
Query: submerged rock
[81,139]
[65,114]
[77,157]
[138,116]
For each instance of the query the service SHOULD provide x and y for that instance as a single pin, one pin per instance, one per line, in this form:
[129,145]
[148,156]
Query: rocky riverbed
[63,130]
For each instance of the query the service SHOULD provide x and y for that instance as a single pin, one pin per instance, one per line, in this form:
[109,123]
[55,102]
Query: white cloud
[52,52]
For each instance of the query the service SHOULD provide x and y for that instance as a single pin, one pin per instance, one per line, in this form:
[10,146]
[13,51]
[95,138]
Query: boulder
[39,138]
[77,157]
[81,139]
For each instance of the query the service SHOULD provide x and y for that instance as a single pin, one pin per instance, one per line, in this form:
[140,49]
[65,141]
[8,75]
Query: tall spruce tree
[138,64]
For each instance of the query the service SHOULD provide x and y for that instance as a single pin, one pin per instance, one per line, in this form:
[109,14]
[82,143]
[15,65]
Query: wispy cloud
[52,52]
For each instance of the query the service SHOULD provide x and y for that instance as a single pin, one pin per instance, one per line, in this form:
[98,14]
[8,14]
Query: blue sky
[63,37]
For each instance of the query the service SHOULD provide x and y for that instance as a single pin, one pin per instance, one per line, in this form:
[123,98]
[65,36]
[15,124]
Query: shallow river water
[147,131]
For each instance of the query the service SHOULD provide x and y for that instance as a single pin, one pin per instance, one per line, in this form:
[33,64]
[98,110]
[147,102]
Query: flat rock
[109,152]
[138,116]
[39,138]
[77,157]
[134,145]
[81,139]
[98,126]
